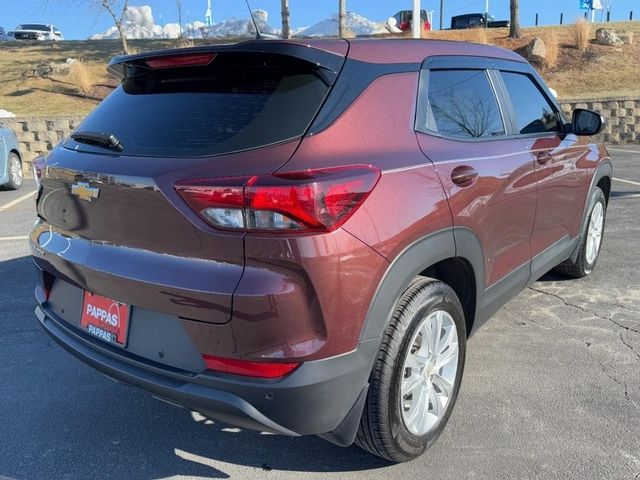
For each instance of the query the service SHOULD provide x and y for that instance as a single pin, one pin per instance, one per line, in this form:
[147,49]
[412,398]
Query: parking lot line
[622,150]
[17,201]
[626,181]
[8,239]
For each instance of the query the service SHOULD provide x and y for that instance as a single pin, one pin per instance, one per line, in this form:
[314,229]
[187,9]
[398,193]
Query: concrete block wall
[622,115]
[38,135]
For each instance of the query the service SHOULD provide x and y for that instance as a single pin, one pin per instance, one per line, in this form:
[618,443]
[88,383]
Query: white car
[36,31]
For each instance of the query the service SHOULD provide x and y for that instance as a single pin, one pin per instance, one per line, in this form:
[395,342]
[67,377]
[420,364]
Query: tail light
[248,368]
[182,60]
[308,201]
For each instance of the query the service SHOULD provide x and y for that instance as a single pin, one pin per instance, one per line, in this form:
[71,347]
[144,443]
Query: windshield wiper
[107,140]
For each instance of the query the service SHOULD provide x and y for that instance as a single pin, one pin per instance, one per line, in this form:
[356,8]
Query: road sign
[590,4]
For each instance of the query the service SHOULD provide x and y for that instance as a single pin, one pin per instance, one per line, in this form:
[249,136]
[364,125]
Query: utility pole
[179,5]
[441,13]
[486,13]
[342,18]
[286,31]
[416,20]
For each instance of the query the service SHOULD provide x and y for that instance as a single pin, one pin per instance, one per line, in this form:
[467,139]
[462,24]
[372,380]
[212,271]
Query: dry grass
[582,34]
[81,77]
[552,45]
[480,35]
[186,43]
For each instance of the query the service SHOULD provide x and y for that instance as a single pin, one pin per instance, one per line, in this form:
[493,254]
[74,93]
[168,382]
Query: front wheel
[15,172]
[417,375]
[590,239]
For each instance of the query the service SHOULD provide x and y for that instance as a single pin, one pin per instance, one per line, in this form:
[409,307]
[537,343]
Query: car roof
[403,50]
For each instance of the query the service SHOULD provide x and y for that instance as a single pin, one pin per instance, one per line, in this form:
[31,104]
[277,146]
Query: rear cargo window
[239,101]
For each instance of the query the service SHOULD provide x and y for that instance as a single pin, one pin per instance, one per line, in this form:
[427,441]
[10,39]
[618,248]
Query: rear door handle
[543,157]
[464,175]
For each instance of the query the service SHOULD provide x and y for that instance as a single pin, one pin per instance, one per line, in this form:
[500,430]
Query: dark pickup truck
[475,20]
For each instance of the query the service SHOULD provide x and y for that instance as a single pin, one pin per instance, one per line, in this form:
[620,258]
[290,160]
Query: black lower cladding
[317,398]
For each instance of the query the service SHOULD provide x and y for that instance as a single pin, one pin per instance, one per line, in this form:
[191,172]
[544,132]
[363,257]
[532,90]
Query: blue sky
[77,22]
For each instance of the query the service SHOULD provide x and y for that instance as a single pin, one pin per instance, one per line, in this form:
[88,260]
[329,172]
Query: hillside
[599,71]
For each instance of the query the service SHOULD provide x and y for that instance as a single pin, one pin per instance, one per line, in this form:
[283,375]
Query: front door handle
[464,175]
[543,157]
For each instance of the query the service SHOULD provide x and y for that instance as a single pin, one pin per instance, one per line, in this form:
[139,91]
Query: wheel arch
[452,255]
[602,178]
[17,152]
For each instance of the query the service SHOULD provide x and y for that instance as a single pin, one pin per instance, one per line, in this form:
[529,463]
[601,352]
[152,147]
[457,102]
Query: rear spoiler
[328,61]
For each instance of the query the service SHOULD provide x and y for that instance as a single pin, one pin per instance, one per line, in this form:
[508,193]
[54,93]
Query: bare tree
[111,6]
[514,28]
[286,29]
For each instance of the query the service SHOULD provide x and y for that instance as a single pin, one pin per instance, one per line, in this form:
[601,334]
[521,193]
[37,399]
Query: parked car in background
[36,31]
[477,20]
[10,160]
[240,244]
[404,17]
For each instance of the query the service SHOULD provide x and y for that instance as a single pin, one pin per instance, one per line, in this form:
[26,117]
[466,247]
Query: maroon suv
[299,237]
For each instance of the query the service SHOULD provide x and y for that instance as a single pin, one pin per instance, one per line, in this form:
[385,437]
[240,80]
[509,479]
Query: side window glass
[534,113]
[462,104]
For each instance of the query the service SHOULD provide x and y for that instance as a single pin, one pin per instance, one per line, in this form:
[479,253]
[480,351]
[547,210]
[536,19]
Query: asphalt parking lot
[551,387]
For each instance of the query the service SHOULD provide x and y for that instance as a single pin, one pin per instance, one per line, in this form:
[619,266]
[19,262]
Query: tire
[587,258]
[15,172]
[385,426]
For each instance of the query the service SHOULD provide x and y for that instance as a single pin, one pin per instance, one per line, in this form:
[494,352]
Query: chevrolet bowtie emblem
[83,191]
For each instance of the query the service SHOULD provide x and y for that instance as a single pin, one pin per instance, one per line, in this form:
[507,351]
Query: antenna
[258,34]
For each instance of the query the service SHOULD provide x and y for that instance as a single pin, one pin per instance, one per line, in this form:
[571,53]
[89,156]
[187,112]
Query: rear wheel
[15,172]
[591,239]
[416,377]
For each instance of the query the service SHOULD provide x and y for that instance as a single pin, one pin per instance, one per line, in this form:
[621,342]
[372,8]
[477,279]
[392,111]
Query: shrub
[583,34]
[81,77]
[552,44]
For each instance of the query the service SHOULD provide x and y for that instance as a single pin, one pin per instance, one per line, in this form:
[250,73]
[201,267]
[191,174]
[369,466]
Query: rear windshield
[237,102]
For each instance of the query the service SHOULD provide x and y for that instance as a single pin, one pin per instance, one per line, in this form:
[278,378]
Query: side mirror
[586,122]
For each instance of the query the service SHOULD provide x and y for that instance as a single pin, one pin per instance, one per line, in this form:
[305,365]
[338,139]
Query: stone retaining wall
[622,115]
[37,135]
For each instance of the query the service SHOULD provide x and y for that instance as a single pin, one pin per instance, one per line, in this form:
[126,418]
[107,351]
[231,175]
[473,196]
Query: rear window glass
[240,101]
[462,104]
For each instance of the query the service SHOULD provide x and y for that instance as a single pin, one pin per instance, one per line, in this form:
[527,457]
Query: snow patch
[6,113]
[138,22]
[328,27]
[240,27]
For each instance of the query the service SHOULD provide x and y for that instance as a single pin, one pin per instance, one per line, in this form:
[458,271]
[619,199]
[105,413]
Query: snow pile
[328,27]
[138,22]
[240,27]
[6,113]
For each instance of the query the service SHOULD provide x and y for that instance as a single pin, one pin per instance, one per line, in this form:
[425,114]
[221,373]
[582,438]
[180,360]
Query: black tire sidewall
[409,444]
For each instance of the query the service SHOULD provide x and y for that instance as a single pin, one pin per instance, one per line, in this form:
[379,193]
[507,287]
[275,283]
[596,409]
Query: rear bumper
[322,397]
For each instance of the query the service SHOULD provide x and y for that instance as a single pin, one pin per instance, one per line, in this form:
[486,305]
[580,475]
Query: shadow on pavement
[61,419]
